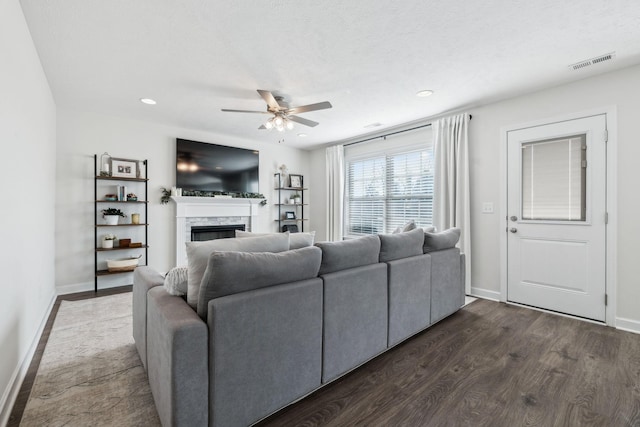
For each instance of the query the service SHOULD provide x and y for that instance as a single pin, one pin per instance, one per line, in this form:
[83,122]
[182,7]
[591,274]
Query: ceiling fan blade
[244,111]
[269,99]
[302,121]
[310,107]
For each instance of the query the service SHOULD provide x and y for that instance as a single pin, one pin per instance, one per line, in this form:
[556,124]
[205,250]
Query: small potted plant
[107,241]
[295,199]
[111,215]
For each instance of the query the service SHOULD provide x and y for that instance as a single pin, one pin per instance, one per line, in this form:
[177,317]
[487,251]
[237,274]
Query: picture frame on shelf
[295,181]
[124,168]
[290,215]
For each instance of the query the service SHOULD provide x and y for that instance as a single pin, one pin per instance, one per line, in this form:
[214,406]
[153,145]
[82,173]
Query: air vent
[592,61]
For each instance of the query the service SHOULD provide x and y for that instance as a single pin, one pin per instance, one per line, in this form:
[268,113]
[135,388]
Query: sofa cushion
[443,240]
[176,281]
[401,245]
[296,240]
[351,253]
[233,272]
[198,256]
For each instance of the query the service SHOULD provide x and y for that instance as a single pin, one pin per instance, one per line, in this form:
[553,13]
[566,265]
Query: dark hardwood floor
[490,364]
[27,384]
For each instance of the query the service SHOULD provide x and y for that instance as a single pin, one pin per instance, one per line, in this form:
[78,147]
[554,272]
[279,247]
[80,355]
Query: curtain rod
[392,133]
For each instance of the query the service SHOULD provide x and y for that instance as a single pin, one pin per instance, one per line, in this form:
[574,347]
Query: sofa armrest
[447,285]
[177,360]
[144,278]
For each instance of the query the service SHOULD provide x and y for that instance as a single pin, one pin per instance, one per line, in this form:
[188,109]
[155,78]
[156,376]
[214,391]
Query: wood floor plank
[490,364]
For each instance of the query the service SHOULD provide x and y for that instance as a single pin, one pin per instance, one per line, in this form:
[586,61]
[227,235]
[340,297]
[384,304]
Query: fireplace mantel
[209,207]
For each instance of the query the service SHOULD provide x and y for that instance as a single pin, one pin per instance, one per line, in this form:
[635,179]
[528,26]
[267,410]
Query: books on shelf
[121,191]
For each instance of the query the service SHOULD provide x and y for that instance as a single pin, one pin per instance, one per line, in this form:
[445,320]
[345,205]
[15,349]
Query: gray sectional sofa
[271,327]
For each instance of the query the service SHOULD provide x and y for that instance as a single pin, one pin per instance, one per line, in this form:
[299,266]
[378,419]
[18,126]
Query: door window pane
[554,179]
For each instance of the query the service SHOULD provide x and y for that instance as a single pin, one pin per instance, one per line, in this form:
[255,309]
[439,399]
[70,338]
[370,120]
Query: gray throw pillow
[351,253]
[233,272]
[198,255]
[442,240]
[401,245]
[175,281]
[296,240]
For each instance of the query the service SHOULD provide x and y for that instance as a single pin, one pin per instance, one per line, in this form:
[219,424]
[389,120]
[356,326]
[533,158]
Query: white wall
[620,89]
[83,134]
[27,132]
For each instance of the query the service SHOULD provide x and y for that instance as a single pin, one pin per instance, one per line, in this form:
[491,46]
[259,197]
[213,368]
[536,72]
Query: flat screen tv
[215,168]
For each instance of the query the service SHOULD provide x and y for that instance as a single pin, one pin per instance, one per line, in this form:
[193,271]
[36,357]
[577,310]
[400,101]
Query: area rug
[90,373]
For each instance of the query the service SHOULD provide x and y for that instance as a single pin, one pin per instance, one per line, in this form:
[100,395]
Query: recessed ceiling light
[373,125]
[424,93]
[302,135]
[148,101]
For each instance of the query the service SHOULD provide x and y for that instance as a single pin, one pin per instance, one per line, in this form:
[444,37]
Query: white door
[556,224]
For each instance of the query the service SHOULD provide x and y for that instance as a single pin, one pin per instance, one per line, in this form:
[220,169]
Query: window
[389,183]
[554,179]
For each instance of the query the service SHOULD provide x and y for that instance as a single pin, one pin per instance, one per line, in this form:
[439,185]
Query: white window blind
[389,183]
[554,179]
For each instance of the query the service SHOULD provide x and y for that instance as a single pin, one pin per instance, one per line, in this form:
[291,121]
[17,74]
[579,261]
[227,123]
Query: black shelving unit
[298,208]
[98,206]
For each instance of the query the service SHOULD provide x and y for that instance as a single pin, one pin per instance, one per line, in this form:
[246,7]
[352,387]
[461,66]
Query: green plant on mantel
[166,195]
[113,211]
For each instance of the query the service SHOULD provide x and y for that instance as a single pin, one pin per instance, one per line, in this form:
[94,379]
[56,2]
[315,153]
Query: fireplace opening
[212,232]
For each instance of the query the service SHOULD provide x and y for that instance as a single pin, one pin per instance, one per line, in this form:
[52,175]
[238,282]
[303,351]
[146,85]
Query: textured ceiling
[368,58]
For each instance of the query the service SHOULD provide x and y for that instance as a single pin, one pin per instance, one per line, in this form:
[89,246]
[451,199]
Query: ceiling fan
[283,116]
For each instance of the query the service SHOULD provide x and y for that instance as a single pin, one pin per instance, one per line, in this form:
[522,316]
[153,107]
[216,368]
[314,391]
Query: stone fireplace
[211,212]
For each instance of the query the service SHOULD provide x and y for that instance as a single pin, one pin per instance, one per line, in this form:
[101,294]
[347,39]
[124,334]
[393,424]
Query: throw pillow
[411,225]
[351,253]
[233,272]
[296,240]
[175,281]
[442,240]
[401,245]
[198,256]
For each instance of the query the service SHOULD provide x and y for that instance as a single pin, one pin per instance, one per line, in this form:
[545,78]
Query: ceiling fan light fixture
[269,124]
[289,124]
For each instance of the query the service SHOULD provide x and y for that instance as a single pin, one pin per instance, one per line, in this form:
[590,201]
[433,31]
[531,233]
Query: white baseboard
[13,388]
[485,293]
[628,325]
[74,287]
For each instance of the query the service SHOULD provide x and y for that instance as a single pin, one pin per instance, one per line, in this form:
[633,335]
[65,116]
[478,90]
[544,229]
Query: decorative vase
[107,244]
[111,219]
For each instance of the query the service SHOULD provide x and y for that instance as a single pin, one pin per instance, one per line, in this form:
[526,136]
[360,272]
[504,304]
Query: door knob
[513,218]
[513,230]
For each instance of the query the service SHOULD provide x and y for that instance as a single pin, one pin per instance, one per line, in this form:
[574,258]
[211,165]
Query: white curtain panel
[335,192]
[451,200]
